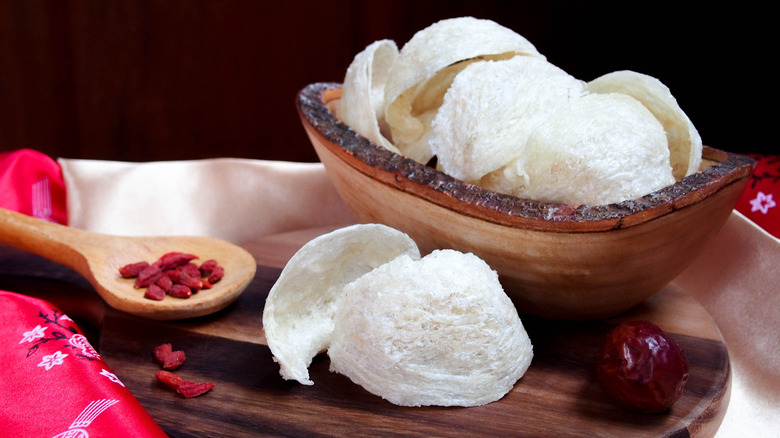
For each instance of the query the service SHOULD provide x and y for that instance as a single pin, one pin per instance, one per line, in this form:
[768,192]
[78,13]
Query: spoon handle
[58,243]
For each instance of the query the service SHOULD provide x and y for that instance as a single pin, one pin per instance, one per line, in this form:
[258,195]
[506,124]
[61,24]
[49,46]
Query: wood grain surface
[558,396]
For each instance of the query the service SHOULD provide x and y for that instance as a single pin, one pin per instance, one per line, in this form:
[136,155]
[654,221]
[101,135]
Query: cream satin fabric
[737,279]
[236,200]
[243,201]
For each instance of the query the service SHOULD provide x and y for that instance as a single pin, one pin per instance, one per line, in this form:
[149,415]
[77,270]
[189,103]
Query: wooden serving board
[558,396]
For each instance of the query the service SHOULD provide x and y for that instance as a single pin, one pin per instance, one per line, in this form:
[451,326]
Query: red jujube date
[642,367]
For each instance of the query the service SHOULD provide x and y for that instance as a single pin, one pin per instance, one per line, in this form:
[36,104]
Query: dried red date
[172,269]
[642,368]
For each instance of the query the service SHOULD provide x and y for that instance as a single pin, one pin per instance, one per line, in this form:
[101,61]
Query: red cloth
[31,183]
[760,202]
[54,384]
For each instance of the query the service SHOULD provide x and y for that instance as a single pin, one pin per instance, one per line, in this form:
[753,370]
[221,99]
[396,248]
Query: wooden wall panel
[158,80]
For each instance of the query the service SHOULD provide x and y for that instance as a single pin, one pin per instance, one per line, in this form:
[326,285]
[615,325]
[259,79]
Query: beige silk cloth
[736,278]
[238,200]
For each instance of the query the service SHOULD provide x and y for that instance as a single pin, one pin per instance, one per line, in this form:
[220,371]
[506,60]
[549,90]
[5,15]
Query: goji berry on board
[174,360]
[193,389]
[161,351]
[168,358]
[168,379]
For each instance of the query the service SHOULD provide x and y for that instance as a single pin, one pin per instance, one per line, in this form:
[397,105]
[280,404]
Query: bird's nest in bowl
[554,260]
[318,103]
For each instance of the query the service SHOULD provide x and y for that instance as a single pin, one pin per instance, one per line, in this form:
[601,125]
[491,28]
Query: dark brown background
[174,79]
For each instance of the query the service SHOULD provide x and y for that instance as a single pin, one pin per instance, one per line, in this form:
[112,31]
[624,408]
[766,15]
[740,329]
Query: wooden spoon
[98,257]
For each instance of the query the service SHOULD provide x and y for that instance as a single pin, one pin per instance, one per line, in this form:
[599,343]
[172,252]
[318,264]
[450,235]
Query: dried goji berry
[173,268]
[216,275]
[148,276]
[164,282]
[184,278]
[168,358]
[193,389]
[175,259]
[208,266]
[133,269]
[174,360]
[154,292]
[180,291]
[174,275]
[191,269]
[161,351]
[168,379]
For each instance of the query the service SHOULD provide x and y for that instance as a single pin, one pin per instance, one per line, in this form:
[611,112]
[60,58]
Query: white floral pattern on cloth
[33,334]
[59,329]
[90,400]
[759,201]
[81,342]
[111,376]
[77,429]
[50,360]
[762,202]
[41,199]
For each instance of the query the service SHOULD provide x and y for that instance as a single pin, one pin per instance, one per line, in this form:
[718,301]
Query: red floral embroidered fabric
[31,183]
[760,202]
[54,384]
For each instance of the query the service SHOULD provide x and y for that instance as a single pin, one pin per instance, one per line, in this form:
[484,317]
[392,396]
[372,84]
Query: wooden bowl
[554,260]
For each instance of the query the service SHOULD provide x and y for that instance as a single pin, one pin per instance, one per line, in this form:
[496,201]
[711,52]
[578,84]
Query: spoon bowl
[98,257]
